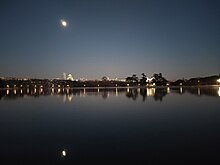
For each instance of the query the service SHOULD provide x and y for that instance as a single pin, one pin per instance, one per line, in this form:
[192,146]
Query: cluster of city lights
[69,97]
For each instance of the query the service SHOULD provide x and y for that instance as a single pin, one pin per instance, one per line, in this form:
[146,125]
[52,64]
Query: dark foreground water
[110,126]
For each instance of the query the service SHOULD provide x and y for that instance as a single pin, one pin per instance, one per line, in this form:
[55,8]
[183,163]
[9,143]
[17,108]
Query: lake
[178,125]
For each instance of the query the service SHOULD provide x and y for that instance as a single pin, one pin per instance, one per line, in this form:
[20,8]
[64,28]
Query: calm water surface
[110,126]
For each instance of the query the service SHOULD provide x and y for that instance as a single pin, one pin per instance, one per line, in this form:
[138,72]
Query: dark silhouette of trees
[1,83]
[133,93]
[129,79]
[104,78]
[133,78]
[143,79]
[143,93]
[159,80]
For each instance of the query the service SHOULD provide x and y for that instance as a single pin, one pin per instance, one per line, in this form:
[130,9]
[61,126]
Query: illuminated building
[70,77]
[64,76]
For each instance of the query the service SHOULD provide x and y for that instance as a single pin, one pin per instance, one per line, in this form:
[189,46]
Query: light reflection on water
[181,90]
[69,93]
[199,91]
[150,91]
[95,125]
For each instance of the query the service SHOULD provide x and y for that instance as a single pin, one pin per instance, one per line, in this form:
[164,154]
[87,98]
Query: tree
[134,78]
[143,79]
[159,79]
[104,78]
[129,79]
[1,84]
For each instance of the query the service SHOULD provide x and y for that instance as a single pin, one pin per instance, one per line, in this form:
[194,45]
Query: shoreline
[113,87]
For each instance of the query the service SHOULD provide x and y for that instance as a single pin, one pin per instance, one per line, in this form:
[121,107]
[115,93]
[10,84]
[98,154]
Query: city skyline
[93,39]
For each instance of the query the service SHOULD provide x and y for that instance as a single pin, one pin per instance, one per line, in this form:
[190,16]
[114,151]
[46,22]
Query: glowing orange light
[150,91]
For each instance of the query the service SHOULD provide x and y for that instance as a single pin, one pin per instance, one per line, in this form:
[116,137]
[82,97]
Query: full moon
[63,23]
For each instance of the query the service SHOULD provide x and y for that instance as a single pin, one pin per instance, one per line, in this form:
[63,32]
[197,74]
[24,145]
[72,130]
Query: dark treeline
[211,80]
[155,80]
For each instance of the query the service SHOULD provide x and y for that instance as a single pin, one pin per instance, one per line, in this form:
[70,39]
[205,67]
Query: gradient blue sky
[116,38]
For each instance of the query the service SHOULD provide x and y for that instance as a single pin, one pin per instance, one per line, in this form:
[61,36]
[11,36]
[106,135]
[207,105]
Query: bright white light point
[63,22]
[219,91]
[63,153]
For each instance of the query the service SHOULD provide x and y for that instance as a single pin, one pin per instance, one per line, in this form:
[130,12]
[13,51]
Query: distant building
[70,77]
[64,76]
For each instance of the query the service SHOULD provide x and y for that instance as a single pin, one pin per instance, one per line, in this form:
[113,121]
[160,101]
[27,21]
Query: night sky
[115,38]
